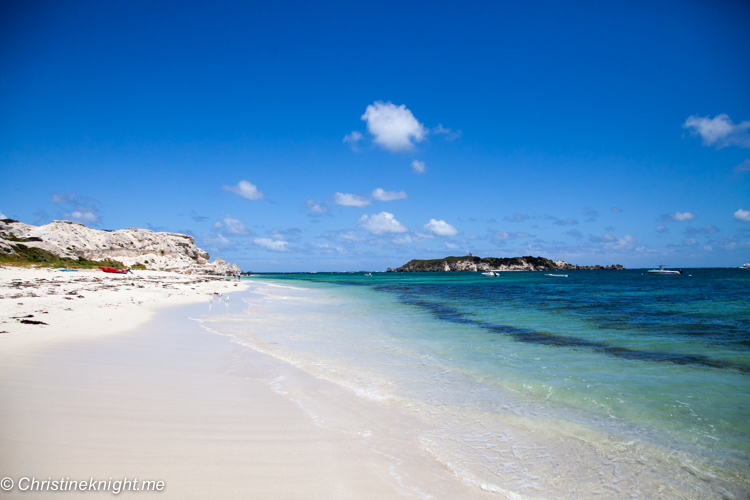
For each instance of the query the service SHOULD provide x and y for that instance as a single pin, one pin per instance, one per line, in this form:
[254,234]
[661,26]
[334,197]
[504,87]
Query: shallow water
[608,384]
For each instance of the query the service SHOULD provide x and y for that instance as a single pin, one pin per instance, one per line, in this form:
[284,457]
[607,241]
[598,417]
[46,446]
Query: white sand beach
[110,389]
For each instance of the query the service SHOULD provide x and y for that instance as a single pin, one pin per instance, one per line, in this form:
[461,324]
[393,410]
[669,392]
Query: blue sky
[344,136]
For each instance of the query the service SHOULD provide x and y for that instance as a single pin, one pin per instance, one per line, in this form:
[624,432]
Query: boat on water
[491,273]
[557,275]
[368,274]
[114,270]
[661,270]
[745,266]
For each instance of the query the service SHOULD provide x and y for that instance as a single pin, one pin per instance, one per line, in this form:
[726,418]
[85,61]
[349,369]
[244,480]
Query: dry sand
[108,389]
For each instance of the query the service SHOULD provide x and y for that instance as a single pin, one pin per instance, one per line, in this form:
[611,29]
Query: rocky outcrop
[157,251]
[474,263]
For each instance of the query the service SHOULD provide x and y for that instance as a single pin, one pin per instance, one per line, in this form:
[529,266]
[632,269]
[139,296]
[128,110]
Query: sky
[346,136]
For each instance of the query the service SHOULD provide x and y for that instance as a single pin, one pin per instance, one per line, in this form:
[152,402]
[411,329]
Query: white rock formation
[158,251]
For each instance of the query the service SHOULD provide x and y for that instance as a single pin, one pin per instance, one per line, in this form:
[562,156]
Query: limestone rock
[157,251]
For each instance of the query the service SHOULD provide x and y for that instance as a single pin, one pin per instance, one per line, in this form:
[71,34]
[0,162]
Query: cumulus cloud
[353,139]
[245,189]
[418,167]
[233,226]
[500,236]
[451,246]
[315,209]
[381,223]
[383,195]
[216,241]
[743,167]
[77,209]
[743,215]
[719,130]
[662,229]
[440,228]
[678,216]
[351,200]
[273,245]
[611,242]
[394,127]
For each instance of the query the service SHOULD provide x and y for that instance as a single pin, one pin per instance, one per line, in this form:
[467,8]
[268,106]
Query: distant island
[474,263]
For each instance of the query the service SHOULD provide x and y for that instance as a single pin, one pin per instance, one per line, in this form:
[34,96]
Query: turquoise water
[652,373]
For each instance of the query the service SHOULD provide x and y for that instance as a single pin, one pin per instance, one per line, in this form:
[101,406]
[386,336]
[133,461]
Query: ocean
[601,384]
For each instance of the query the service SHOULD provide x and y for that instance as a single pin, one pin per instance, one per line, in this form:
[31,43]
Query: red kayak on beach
[114,270]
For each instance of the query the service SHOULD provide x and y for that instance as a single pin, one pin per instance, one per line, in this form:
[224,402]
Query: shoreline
[78,305]
[157,397]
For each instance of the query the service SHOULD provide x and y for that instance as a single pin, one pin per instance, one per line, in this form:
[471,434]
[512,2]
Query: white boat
[368,274]
[661,270]
[557,275]
[745,266]
[491,273]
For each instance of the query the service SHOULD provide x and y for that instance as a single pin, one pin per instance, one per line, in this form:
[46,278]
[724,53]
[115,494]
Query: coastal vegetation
[32,256]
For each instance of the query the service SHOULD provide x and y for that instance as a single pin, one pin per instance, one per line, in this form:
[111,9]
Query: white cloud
[394,127]
[353,139]
[79,209]
[418,167]
[82,216]
[424,236]
[2,216]
[441,228]
[611,242]
[662,229]
[233,226]
[451,246]
[500,236]
[350,236]
[315,208]
[351,200]
[383,195]
[402,240]
[743,167]
[246,190]
[743,215]
[679,216]
[616,210]
[719,130]
[291,234]
[273,245]
[381,223]
[216,241]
